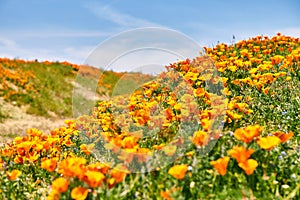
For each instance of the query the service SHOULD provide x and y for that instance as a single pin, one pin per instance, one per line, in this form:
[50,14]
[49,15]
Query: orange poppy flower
[79,193]
[284,136]
[8,152]
[94,179]
[247,134]
[200,138]
[60,185]
[169,114]
[19,140]
[67,141]
[241,154]
[221,165]
[13,175]
[178,171]
[249,166]
[268,142]
[49,164]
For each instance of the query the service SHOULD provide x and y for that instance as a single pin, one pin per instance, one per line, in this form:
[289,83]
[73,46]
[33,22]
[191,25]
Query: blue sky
[71,29]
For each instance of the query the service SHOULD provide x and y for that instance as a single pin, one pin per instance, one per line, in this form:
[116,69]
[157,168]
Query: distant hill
[40,94]
[46,88]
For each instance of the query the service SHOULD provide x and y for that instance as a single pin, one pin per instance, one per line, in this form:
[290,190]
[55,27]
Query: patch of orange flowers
[94,175]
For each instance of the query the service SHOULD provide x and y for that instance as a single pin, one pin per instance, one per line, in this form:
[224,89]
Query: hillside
[224,125]
[41,92]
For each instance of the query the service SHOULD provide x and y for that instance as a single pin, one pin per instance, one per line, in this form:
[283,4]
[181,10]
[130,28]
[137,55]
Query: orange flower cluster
[251,132]
[156,105]
[201,71]
[242,155]
[232,105]
[94,175]
[259,58]
[14,81]
[276,138]
[14,63]
[176,97]
[37,145]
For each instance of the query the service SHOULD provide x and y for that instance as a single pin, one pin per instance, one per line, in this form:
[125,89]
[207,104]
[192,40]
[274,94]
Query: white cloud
[55,32]
[121,19]
[72,54]
[8,43]
[49,45]
[144,46]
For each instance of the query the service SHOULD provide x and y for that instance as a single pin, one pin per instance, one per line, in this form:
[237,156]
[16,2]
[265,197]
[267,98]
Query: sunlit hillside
[224,125]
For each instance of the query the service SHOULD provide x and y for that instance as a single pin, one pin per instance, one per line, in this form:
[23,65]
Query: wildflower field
[224,125]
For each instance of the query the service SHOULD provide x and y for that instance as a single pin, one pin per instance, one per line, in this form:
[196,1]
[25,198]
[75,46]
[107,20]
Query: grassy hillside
[45,88]
[224,125]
